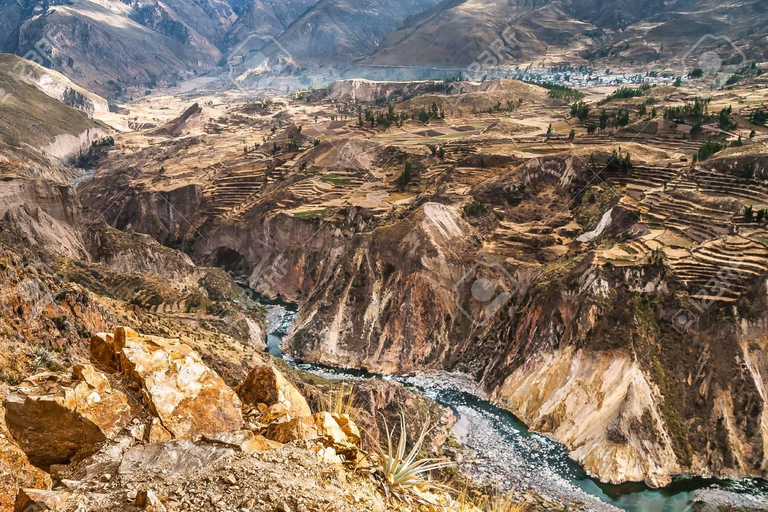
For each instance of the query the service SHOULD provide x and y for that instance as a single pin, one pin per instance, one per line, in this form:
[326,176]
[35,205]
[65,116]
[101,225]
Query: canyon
[592,262]
[377,268]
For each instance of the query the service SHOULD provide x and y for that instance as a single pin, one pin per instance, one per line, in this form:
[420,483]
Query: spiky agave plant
[402,475]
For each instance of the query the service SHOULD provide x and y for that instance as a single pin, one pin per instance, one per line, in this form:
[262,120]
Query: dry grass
[341,401]
[467,501]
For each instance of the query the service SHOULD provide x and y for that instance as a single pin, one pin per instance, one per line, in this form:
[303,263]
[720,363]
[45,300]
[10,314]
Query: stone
[15,470]
[328,455]
[259,444]
[148,500]
[103,353]
[266,385]
[36,500]
[138,432]
[56,417]
[187,397]
[277,412]
[244,441]
[348,427]
[320,426]
[158,433]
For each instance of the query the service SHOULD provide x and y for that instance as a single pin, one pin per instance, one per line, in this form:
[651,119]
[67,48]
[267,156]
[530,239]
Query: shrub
[709,148]
[474,209]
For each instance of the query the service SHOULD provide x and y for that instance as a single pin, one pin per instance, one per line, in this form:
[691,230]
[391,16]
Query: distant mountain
[456,33]
[266,18]
[337,31]
[109,46]
[604,32]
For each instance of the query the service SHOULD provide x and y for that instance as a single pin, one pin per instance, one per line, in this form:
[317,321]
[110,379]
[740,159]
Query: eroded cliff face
[46,213]
[578,353]
[602,406]
[160,214]
[67,145]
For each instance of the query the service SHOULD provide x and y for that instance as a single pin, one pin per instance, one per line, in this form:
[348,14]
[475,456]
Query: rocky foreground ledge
[146,425]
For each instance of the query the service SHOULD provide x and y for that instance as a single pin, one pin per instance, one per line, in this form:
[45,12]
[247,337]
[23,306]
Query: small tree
[749,213]
[592,163]
[572,135]
[405,176]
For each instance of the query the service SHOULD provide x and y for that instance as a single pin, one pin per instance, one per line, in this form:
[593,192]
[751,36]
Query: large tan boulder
[349,427]
[321,427]
[266,385]
[36,500]
[103,352]
[15,470]
[187,397]
[55,417]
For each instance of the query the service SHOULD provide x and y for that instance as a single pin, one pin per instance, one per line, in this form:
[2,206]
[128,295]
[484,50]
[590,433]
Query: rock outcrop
[110,457]
[187,397]
[321,426]
[601,406]
[36,500]
[266,385]
[57,417]
[15,470]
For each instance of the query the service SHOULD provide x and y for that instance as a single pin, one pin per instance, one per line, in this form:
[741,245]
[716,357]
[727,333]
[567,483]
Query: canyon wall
[578,348]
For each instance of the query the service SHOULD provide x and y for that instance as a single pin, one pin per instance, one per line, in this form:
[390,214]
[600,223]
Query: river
[503,452]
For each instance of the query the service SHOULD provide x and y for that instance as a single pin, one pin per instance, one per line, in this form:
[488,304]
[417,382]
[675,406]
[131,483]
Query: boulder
[177,458]
[186,396]
[266,385]
[244,441]
[147,500]
[348,427]
[15,470]
[103,352]
[320,426]
[56,417]
[36,500]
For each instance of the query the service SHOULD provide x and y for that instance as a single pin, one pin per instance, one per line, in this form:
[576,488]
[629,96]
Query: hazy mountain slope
[266,18]
[613,14]
[334,31]
[445,37]
[94,42]
[35,127]
[611,31]
[185,20]
[695,26]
